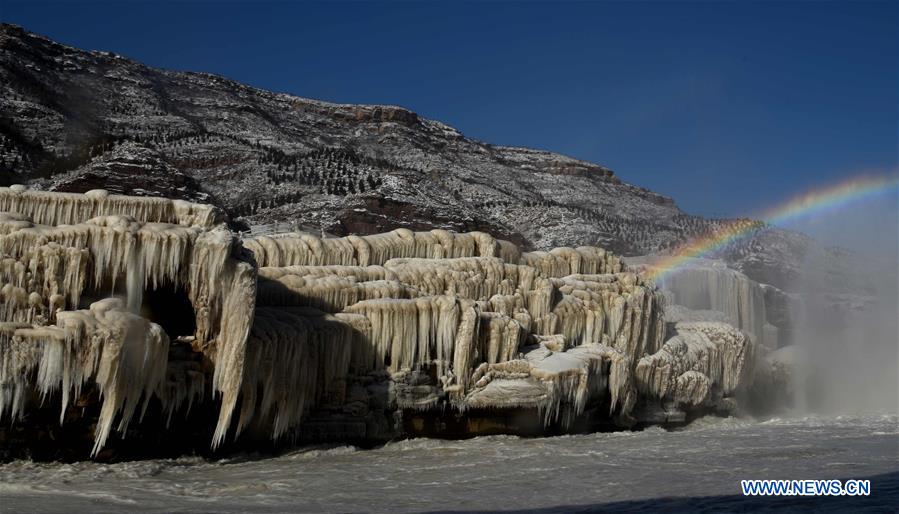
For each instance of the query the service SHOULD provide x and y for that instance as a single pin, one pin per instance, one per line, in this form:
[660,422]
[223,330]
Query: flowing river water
[698,467]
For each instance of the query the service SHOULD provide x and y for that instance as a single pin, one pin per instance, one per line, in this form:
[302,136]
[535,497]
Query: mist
[848,328]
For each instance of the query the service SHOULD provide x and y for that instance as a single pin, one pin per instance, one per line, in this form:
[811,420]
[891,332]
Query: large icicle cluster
[72,208]
[49,271]
[467,320]
[290,324]
[307,249]
[124,354]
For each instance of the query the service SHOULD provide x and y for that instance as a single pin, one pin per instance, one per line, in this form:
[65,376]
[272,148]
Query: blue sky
[727,107]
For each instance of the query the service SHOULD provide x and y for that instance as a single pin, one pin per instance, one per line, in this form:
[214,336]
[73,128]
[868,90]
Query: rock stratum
[73,120]
[148,320]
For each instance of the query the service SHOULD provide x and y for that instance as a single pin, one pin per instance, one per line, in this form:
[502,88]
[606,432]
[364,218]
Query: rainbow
[813,202]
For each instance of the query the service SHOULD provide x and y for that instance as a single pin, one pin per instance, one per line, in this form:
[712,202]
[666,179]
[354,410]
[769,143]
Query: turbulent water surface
[697,467]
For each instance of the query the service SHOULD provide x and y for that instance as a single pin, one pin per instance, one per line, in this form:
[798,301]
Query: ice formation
[124,354]
[72,208]
[709,285]
[111,293]
[703,362]
[48,271]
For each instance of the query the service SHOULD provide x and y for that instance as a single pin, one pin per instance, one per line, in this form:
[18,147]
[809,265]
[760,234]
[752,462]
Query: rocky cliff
[73,120]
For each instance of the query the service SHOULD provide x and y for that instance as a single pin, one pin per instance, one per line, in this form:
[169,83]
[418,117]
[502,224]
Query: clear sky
[727,107]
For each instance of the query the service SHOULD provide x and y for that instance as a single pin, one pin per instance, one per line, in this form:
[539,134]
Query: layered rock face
[150,305]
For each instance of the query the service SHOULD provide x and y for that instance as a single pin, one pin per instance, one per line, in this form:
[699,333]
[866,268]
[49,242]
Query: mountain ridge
[73,120]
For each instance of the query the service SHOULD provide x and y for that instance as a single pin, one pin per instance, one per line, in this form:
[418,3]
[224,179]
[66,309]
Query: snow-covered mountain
[74,120]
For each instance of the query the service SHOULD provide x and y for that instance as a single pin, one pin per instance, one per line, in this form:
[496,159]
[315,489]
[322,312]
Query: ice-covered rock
[702,363]
[124,354]
[165,304]
[48,271]
[710,285]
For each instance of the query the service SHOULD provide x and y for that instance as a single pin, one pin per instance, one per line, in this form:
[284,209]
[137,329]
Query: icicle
[297,358]
[444,315]
[72,208]
[377,249]
[125,355]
